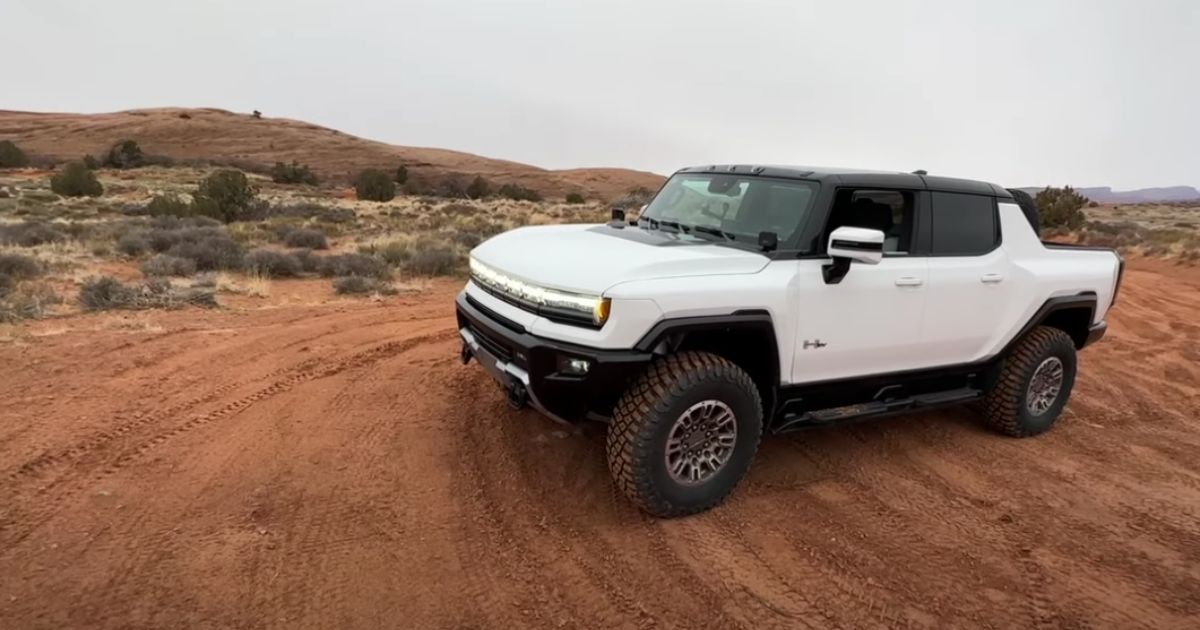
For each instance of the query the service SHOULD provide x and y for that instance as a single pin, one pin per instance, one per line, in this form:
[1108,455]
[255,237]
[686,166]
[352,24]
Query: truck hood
[593,258]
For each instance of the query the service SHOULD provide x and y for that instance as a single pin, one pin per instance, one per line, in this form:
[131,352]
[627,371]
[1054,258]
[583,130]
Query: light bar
[550,303]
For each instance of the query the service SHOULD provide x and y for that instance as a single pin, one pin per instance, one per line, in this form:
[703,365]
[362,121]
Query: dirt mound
[332,465]
[222,136]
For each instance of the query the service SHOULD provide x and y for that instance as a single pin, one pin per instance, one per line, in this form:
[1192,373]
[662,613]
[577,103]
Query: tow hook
[465,354]
[517,396]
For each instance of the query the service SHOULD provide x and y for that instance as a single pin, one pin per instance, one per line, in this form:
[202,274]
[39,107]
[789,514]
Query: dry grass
[1170,231]
[253,285]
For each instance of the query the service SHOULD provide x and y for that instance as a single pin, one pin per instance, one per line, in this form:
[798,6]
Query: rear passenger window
[963,225]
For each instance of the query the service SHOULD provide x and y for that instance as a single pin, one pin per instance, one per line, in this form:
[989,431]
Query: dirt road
[333,466]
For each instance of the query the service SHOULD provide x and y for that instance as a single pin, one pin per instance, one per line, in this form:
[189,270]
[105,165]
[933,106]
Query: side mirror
[862,245]
[848,244]
[618,218]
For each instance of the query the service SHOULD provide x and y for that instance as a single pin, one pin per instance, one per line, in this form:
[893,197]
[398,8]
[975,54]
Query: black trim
[654,238]
[1083,300]
[669,335]
[666,328]
[1096,333]
[997,236]
[569,397]
[497,317]
[858,246]
[876,409]
[888,389]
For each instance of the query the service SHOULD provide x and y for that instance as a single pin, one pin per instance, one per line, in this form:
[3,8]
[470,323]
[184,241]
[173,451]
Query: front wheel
[1034,385]
[684,433]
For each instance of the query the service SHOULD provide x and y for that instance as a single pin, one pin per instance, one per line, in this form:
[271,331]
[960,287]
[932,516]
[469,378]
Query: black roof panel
[857,177]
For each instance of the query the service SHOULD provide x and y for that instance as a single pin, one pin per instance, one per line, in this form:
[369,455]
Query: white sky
[1020,93]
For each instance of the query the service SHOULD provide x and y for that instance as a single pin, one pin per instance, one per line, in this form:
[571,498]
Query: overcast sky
[1021,93]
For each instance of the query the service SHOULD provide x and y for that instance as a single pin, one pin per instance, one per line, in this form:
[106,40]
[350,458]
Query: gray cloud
[1022,93]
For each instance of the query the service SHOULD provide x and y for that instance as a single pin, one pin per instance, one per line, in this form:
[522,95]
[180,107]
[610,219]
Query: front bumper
[527,367]
[1095,333]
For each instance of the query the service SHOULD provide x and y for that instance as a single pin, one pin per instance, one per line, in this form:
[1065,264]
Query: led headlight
[547,302]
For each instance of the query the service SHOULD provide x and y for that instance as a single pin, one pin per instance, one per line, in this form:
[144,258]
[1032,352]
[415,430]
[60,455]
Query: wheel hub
[1045,386]
[701,442]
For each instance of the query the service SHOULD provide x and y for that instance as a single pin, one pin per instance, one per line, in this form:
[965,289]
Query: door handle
[991,278]
[909,281]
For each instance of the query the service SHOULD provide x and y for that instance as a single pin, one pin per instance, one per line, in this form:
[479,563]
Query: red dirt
[333,466]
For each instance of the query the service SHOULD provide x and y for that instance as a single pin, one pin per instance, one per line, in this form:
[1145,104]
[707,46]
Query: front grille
[494,346]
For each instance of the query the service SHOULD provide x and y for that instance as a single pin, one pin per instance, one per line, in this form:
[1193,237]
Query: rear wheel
[684,433]
[1034,385]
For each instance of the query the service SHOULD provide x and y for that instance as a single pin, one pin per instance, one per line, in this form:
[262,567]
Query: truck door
[870,322]
[970,287]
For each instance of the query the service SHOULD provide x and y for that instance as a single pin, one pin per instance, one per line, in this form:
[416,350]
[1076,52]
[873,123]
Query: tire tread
[634,423]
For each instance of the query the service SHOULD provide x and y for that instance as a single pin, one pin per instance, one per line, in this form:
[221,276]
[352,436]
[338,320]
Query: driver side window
[890,211]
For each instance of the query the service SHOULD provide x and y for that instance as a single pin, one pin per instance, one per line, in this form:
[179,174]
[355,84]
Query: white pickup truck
[760,299]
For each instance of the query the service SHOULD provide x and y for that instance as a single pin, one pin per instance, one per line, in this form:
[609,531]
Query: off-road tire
[642,421]
[1005,407]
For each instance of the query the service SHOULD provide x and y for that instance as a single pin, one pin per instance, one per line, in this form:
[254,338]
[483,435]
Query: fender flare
[1086,300]
[668,334]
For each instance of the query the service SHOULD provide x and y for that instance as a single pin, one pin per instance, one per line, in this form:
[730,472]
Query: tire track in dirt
[47,506]
[490,542]
[896,535]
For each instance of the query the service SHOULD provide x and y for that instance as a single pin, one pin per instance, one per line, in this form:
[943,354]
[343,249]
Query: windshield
[718,206]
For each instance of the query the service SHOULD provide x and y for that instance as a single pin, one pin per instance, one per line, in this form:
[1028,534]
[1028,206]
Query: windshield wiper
[674,224]
[704,229]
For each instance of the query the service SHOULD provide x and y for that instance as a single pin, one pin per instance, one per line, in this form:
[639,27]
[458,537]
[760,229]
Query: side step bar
[875,409]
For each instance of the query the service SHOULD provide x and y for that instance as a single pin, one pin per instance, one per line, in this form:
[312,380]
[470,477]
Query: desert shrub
[76,180]
[305,237]
[24,300]
[11,156]
[479,188]
[1060,207]
[226,195]
[19,267]
[168,206]
[309,262]
[636,197]
[162,239]
[181,223]
[104,293]
[107,293]
[467,239]
[313,211]
[394,253]
[90,161]
[30,234]
[164,265]
[359,285]
[374,185]
[401,176]
[519,193]
[575,198]
[354,265]
[210,252]
[433,258]
[294,173]
[133,244]
[272,264]
[125,154]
